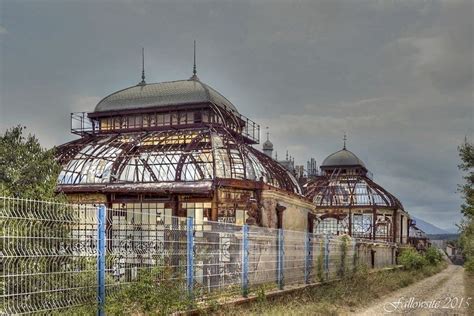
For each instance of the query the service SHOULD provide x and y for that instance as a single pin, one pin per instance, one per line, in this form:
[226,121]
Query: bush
[433,256]
[411,259]
[469,265]
[152,293]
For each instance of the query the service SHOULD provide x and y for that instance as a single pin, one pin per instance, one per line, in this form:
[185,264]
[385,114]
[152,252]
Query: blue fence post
[280,262]
[326,256]
[308,262]
[101,222]
[245,260]
[189,256]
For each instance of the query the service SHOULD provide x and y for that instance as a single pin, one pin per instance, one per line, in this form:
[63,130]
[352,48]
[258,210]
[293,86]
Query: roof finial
[287,155]
[143,67]
[194,76]
[194,64]
[345,138]
[268,134]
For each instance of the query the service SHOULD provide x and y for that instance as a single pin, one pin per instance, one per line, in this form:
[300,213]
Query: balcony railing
[82,124]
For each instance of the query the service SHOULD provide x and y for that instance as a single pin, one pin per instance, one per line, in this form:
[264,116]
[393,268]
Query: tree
[466,153]
[27,170]
[39,258]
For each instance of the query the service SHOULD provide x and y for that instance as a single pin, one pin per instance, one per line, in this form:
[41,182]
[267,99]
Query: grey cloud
[395,75]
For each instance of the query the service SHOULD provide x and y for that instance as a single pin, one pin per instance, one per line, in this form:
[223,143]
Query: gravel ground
[440,294]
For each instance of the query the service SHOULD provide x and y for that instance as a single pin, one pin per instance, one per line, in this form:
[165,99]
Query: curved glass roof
[342,157]
[187,155]
[180,92]
[349,191]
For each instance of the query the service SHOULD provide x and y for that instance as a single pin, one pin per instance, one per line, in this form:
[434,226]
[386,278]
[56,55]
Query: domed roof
[165,158]
[342,157]
[267,145]
[168,93]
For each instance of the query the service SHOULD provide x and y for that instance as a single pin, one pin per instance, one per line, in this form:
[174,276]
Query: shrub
[411,259]
[433,256]
[469,265]
[153,292]
[320,264]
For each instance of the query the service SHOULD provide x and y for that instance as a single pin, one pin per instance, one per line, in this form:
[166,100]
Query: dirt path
[440,294]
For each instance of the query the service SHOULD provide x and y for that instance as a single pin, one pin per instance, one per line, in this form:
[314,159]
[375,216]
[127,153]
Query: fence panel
[48,255]
[263,254]
[294,257]
[144,244]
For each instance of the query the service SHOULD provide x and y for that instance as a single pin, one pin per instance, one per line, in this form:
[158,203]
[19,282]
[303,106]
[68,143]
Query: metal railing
[59,256]
[82,125]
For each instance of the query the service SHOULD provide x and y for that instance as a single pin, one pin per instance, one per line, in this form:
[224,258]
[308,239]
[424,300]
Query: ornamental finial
[143,68]
[194,76]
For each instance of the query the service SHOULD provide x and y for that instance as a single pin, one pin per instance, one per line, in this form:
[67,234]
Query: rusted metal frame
[121,162]
[277,170]
[154,146]
[149,169]
[152,109]
[393,200]
[187,153]
[233,143]
[97,149]
[324,193]
[66,152]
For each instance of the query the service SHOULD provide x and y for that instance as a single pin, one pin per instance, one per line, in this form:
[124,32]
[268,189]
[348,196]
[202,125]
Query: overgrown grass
[469,290]
[338,297]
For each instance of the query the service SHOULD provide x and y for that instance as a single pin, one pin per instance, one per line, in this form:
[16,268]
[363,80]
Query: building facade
[348,201]
[181,149]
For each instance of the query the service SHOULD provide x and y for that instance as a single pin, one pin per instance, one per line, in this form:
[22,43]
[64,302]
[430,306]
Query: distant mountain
[431,229]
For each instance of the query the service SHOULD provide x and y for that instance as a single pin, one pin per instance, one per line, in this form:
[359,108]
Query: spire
[143,68]
[345,138]
[194,76]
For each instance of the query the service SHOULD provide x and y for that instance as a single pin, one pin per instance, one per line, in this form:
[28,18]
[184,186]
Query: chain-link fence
[57,256]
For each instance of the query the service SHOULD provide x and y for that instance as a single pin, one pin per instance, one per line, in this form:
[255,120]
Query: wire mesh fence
[48,255]
[55,256]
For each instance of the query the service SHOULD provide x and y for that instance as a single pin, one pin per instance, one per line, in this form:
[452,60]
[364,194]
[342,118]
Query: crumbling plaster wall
[295,216]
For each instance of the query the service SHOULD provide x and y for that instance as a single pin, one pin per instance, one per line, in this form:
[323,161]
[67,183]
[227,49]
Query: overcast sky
[397,76]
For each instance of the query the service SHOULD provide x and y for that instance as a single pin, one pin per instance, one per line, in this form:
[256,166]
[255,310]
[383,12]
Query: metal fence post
[245,260]
[308,262]
[189,256]
[280,263]
[101,259]
[326,256]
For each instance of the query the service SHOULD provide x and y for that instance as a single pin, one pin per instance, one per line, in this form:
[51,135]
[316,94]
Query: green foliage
[260,292]
[411,259]
[26,169]
[433,256]
[320,263]
[154,292]
[466,240]
[344,245]
[354,291]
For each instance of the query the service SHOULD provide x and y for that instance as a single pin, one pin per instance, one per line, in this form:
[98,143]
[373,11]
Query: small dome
[342,157]
[180,92]
[267,145]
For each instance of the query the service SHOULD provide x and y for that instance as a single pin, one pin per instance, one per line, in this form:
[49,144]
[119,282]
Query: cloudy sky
[397,76]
